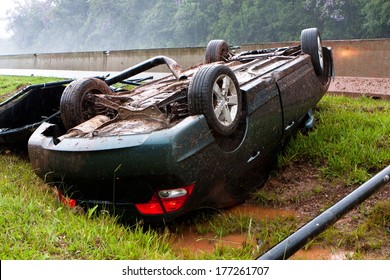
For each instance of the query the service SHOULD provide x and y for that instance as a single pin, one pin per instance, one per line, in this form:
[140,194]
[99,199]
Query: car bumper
[117,172]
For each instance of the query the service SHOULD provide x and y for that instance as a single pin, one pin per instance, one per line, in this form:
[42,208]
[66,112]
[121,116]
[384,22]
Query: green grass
[350,142]
[369,235]
[12,84]
[34,226]
[351,139]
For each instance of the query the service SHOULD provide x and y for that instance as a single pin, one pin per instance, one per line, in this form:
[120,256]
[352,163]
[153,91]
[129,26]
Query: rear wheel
[77,103]
[216,50]
[215,93]
[311,45]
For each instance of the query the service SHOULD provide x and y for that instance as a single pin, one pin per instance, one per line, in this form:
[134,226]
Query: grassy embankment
[349,144]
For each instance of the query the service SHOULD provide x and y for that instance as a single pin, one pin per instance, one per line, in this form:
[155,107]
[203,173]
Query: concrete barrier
[105,61]
[354,58]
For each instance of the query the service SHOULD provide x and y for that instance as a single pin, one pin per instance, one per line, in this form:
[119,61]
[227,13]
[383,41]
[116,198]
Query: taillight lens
[168,200]
[66,200]
[153,207]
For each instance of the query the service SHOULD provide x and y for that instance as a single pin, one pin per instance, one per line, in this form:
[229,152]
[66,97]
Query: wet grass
[351,140]
[350,143]
[12,84]
[35,226]
[368,237]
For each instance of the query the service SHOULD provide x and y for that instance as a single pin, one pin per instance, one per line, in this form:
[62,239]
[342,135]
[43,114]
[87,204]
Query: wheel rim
[225,100]
[320,54]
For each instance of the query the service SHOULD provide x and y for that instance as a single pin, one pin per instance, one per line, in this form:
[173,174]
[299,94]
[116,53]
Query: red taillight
[171,200]
[66,200]
[153,207]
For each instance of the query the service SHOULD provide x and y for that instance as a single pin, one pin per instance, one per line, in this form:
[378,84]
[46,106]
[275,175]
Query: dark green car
[202,137]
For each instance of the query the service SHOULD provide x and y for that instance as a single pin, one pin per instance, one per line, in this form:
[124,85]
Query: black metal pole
[298,239]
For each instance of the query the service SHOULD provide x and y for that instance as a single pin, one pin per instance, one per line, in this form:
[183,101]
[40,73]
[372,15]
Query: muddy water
[260,213]
[320,253]
[191,241]
[194,242]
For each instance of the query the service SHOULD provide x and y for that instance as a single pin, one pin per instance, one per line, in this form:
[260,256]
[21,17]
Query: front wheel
[215,93]
[311,45]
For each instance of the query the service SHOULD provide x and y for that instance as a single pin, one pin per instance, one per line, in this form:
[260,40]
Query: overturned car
[201,137]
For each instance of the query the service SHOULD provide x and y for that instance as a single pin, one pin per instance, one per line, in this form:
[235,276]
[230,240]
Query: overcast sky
[5,5]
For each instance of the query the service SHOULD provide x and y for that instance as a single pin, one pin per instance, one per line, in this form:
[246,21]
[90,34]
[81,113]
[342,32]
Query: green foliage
[377,22]
[65,25]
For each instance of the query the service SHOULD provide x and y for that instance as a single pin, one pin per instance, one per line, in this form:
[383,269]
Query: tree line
[89,25]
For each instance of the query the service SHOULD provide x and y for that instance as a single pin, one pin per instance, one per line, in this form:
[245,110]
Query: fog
[47,26]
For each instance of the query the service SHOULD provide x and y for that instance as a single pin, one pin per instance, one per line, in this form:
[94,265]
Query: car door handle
[255,155]
[290,125]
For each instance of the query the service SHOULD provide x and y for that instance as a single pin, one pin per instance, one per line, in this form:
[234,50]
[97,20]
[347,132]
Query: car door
[262,136]
[298,89]
[264,120]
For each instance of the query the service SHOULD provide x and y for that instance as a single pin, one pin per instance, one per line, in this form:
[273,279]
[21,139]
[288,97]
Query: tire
[216,50]
[77,100]
[207,96]
[311,45]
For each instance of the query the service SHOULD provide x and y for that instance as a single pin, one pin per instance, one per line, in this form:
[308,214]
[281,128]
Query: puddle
[195,242]
[260,213]
[320,253]
[191,241]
